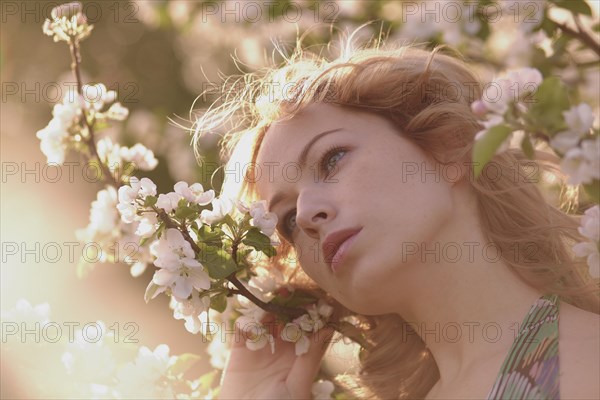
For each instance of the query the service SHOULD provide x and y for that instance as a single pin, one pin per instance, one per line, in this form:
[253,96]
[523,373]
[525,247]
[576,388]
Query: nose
[313,211]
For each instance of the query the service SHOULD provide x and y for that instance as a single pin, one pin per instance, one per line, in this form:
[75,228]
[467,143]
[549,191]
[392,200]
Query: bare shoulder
[579,351]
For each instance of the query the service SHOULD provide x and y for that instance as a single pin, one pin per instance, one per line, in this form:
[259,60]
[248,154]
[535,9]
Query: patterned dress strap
[531,368]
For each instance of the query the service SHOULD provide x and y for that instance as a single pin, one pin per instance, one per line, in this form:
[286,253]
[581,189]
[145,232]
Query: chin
[365,296]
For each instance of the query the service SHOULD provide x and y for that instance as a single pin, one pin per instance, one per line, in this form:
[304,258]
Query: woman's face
[362,181]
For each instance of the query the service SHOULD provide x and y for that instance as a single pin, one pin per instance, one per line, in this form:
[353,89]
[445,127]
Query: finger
[306,366]
[239,336]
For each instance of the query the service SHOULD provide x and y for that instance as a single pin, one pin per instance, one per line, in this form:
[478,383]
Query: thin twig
[91,142]
[580,34]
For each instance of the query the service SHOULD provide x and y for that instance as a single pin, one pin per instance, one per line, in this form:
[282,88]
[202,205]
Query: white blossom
[168,201]
[179,269]
[322,390]
[87,358]
[589,251]
[142,157]
[266,281]
[292,332]
[96,96]
[147,188]
[242,206]
[190,310]
[324,309]
[114,155]
[582,164]
[316,317]
[496,96]
[128,200]
[67,23]
[148,223]
[24,312]
[524,81]
[68,110]
[128,193]
[579,119]
[265,221]
[510,88]
[144,378]
[250,322]
[109,152]
[54,137]
[590,229]
[565,141]
[257,335]
[104,216]
[117,112]
[220,208]
[194,193]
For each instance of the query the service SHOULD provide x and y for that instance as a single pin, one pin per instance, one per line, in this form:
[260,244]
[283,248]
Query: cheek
[410,209]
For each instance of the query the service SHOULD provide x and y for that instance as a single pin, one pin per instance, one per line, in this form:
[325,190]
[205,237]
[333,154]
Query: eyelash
[327,156]
[323,164]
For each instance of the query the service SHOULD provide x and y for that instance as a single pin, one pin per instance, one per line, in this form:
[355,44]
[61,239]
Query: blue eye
[286,228]
[330,159]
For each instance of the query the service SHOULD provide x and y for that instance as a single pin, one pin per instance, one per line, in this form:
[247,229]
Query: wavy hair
[426,94]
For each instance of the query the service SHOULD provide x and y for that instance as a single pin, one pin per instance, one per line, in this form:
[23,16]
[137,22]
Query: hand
[261,374]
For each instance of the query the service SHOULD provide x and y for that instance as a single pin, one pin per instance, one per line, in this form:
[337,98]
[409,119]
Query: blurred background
[160,56]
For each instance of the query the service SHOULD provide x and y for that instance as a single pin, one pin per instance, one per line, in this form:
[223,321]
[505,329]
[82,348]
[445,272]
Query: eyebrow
[302,162]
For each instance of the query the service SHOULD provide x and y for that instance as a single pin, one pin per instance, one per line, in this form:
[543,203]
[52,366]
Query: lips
[333,241]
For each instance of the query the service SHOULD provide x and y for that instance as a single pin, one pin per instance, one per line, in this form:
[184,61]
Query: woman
[369,155]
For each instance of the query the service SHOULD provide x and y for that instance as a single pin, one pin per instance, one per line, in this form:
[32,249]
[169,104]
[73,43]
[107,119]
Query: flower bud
[478,108]
[68,10]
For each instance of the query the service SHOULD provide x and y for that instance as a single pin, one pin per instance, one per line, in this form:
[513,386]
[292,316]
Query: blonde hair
[427,96]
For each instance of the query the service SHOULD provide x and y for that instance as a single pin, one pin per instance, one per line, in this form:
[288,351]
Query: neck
[466,310]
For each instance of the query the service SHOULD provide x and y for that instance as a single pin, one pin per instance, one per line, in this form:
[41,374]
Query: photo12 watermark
[54,332]
[116,12]
[55,92]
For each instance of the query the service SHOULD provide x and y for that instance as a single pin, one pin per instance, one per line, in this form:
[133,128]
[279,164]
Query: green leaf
[296,299]
[527,147]
[484,30]
[211,237]
[549,102]
[485,147]
[575,6]
[228,220]
[548,26]
[217,261]
[593,191]
[218,302]
[183,363]
[261,242]
[185,212]
[150,201]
